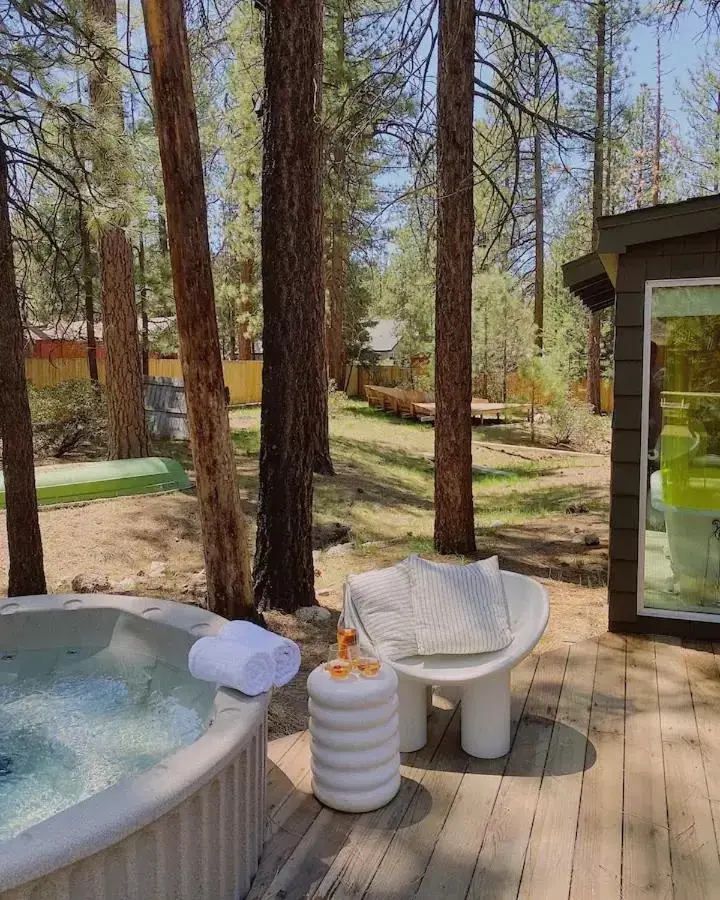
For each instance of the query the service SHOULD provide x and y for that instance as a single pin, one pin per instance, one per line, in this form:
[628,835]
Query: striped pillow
[383,601]
[459,609]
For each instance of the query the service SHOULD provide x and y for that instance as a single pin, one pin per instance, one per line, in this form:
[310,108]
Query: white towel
[285,653]
[231,664]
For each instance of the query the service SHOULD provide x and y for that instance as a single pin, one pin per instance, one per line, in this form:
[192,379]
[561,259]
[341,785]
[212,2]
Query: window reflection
[682,527]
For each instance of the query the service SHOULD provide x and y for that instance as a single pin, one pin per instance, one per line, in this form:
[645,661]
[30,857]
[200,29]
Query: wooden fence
[244,379]
[518,388]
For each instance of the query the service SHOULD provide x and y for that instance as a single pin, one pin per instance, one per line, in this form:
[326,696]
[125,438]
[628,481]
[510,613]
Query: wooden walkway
[611,789]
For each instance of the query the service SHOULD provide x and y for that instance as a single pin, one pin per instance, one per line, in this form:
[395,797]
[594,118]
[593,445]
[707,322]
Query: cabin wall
[697,256]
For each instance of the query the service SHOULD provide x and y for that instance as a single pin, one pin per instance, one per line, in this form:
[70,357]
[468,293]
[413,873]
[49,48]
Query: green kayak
[77,482]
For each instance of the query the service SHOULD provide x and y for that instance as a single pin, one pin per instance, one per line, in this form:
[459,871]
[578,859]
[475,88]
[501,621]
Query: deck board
[693,848]
[598,844]
[499,866]
[452,863]
[646,871]
[548,863]
[611,790]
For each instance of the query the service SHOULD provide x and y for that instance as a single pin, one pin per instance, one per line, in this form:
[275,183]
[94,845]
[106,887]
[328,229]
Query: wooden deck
[611,789]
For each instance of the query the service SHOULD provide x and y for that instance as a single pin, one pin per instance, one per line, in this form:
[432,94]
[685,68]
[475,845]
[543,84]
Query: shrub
[66,415]
[572,422]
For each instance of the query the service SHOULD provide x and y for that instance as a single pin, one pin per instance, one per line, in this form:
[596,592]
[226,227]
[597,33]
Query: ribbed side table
[355,744]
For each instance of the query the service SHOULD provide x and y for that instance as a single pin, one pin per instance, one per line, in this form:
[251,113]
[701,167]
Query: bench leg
[412,712]
[485,716]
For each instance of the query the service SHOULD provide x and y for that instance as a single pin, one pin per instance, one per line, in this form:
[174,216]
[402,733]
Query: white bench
[484,678]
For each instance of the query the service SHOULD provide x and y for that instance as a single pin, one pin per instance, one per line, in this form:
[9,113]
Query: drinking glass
[338,666]
[366,661]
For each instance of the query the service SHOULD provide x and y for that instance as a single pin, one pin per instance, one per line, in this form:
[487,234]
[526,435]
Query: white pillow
[459,609]
[382,599]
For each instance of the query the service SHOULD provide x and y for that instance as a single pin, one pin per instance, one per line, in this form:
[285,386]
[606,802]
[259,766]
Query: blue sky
[681,48]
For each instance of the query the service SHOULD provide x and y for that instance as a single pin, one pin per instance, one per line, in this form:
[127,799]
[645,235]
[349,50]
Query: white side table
[355,744]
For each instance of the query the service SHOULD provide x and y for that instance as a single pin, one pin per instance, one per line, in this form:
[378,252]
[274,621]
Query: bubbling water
[67,735]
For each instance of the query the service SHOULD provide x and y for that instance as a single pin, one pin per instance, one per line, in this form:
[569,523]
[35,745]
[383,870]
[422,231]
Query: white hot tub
[120,775]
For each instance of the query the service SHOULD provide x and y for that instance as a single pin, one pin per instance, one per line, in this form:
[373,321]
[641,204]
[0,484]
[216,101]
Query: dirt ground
[547,519]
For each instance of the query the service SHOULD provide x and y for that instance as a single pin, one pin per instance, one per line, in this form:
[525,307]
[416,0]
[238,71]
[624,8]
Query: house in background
[68,340]
[384,339]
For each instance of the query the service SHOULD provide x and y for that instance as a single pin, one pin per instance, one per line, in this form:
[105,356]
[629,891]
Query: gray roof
[384,335]
[589,278]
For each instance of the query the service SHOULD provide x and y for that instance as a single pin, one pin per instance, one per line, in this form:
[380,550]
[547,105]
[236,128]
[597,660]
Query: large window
[680,543]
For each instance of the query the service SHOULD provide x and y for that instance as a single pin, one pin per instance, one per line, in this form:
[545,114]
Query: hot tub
[122,776]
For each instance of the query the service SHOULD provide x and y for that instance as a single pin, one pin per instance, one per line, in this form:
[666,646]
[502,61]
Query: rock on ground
[90,584]
[312,614]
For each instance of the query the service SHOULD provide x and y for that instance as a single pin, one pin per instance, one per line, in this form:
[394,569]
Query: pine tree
[242,146]
[700,95]
[293,303]
[454,515]
[127,432]
[224,532]
[25,551]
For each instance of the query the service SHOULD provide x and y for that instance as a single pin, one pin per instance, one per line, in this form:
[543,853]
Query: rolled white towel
[231,664]
[285,653]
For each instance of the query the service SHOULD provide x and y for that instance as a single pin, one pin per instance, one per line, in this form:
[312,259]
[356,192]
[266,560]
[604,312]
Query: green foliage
[502,332]
[700,95]
[573,424]
[65,416]
[408,290]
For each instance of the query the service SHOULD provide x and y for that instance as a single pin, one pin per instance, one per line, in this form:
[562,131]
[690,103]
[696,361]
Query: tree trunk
[144,334]
[87,280]
[293,303]
[539,222]
[339,243]
[337,290]
[608,205]
[658,122]
[454,518]
[593,365]
[247,278]
[223,527]
[127,431]
[26,575]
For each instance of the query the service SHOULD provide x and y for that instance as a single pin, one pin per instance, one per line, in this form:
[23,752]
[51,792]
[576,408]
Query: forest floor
[544,512]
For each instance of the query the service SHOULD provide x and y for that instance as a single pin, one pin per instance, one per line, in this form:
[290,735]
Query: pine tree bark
[339,243]
[593,367]
[223,527]
[127,432]
[293,303]
[454,519]
[25,550]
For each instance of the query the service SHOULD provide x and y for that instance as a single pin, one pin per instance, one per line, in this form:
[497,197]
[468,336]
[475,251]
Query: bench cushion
[459,609]
[382,598]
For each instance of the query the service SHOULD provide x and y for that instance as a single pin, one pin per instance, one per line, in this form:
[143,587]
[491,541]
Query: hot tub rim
[82,830]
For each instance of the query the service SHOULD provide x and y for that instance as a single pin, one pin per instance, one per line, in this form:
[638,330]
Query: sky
[681,48]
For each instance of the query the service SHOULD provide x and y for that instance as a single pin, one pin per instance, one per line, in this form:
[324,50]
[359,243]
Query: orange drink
[337,665]
[339,668]
[346,637]
[368,666]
